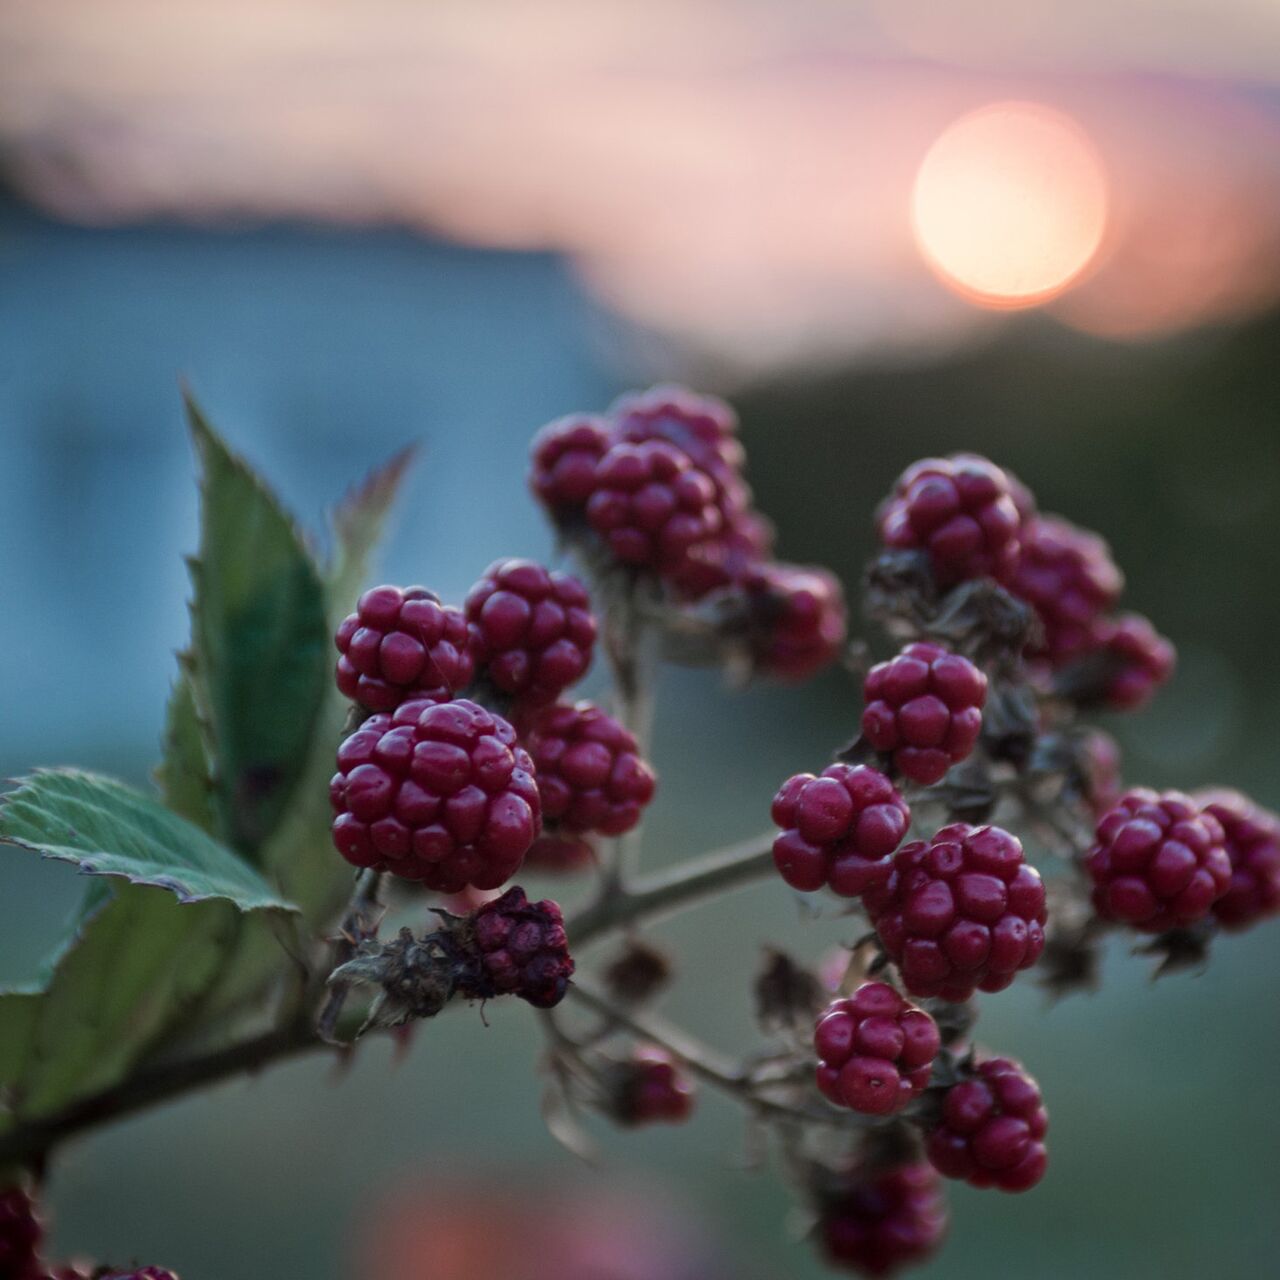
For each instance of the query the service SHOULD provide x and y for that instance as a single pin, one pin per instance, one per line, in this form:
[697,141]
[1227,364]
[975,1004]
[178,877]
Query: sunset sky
[750,178]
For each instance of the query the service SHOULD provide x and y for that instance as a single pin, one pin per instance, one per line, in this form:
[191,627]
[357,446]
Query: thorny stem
[30,1142]
[360,922]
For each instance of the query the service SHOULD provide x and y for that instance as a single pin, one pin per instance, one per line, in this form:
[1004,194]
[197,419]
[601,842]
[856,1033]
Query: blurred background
[1049,233]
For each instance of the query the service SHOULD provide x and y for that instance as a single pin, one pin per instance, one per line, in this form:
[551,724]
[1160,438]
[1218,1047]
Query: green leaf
[183,772]
[301,853]
[260,656]
[109,829]
[131,971]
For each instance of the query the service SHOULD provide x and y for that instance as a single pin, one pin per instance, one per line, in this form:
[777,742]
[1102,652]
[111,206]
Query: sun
[1010,204]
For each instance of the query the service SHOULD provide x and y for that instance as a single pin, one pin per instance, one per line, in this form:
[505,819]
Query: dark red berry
[522,948]
[564,454]
[402,643]
[589,771]
[875,1051]
[991,1130]
[652,1088]
[652,506]
[839,829]
[532,630]
[437,792]
[796,618]
[21,1234]
[1141,660]
[1252,840]
[924,708]
[880,1221]
[961,511]
[960,913]
[1158,861]
[1067,575]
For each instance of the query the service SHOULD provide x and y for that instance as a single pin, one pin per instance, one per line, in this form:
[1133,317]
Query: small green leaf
[109,829]
[260,656]
[183,772]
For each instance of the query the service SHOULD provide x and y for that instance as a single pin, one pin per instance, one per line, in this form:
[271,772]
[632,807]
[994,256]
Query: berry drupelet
[924,710]
[522,950]
[1158,861]
[991,1129]
[875,1051]
[879,1221]
[960,510]
[838,829]
[532,630]
[959,913]
[437,792]
[402,643]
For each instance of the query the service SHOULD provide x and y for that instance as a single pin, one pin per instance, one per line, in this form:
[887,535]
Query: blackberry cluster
[875,1051]
[437,792]
[532,631]
[667,495]
[591,778]
[991,1129]
[402,643]
[877,1221]
[960,912]
[1251,837]
[1159,861]
[924,710]
[522,950]
[838,829]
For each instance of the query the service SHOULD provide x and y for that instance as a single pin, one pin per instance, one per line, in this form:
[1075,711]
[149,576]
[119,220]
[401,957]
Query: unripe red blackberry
[839,829]
[1141,658]
[796,618]
[924,708]
[402,643]
[1067,575]
[1158,861]
[564,456]
[959,913]
[651,1087]
[589,772]
[522,949]
[532,630]
[1252,841]
[651,505]
[882,1221]
[961,511]
[991,1129]
[21,1235]
[875,1051]
[437,792]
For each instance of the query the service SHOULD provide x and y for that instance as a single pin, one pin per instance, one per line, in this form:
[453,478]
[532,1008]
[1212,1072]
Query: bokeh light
[1010,204]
